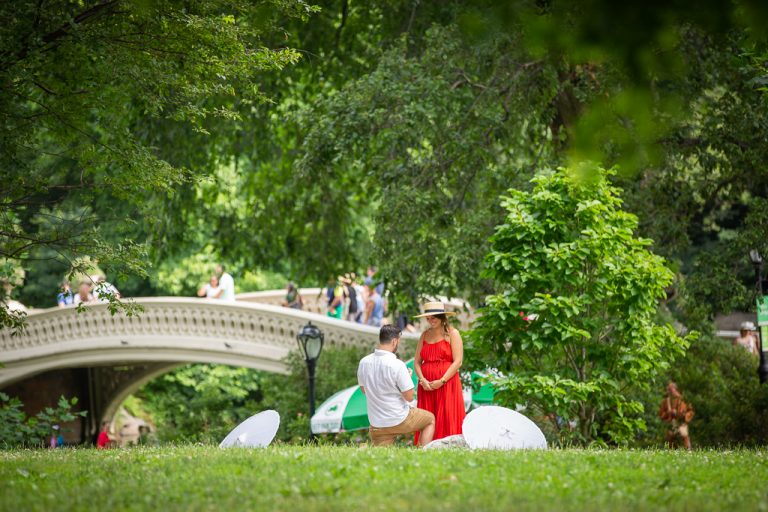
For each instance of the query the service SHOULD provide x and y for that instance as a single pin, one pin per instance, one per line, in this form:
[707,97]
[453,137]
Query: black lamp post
[310,340]
[757,261]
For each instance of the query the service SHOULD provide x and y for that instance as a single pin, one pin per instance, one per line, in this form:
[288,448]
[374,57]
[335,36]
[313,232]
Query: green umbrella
[347,409]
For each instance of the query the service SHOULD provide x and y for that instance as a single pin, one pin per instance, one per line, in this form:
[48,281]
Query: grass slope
[349,478]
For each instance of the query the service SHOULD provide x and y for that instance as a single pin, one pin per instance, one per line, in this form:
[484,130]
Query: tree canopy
[146,134]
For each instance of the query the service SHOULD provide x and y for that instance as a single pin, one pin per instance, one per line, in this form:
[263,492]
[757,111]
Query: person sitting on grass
[387,385]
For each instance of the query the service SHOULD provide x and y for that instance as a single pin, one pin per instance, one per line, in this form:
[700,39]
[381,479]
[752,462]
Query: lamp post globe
[310,339]
[762,314]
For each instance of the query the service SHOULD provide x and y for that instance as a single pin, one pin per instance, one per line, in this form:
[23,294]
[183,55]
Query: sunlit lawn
[350,478]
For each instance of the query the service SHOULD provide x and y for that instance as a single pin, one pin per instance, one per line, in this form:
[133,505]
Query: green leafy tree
[423,144]
[101,102]
[567,256]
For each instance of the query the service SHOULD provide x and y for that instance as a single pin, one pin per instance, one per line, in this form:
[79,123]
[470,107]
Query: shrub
[720,381]
[18,430]
[567,254]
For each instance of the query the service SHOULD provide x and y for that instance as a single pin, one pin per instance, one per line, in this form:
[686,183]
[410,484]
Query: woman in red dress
[437,362]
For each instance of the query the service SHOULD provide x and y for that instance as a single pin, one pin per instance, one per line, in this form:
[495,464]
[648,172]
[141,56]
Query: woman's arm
[202,290]
[457,349]
[417,365]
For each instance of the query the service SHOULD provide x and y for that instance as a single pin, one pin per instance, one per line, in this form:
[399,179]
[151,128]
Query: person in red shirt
[103,440]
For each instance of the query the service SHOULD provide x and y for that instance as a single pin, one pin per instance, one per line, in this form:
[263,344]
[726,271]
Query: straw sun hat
[434,308]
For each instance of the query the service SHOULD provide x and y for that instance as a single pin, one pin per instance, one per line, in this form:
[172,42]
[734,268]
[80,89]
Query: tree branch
[63,31]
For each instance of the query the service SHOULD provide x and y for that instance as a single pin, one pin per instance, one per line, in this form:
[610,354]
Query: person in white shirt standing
[226,284]
[387,385]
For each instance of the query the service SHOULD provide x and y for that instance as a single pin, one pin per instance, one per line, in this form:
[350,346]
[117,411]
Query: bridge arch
[170,332]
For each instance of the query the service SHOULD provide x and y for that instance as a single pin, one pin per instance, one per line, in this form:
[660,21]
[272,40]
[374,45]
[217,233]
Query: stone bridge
[103,358]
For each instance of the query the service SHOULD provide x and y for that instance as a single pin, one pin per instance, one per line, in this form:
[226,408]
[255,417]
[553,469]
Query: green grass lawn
[350,478]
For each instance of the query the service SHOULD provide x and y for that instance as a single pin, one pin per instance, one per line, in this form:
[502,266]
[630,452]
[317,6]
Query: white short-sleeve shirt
[384,378]
[228,285]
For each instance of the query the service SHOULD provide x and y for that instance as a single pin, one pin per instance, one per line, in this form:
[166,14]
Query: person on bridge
[335,298]
[226,284]
[65,297]
[84,294]
[439,355]
[385,381]
[374,309]
[353,311]
[103,291]
[293,298]
[211,289]
[359,297]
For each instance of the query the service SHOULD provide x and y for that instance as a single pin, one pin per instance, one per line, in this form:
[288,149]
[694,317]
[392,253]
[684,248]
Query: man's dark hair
[388,333]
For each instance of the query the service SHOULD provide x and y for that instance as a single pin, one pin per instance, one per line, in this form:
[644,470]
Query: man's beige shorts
[416,421]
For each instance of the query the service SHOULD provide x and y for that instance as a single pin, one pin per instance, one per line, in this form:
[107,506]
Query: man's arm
[362,389]
[404,382]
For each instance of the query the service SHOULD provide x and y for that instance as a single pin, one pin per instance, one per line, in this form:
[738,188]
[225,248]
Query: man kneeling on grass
[387,385]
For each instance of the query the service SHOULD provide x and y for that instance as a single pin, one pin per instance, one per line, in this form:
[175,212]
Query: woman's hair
[446,325]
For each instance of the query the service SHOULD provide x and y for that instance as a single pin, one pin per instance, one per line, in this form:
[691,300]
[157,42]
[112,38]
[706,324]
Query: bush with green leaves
[720,382]
[567,254]
[17,430]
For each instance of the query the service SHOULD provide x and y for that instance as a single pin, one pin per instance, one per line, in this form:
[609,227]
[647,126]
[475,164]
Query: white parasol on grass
[256,432]
[499,428]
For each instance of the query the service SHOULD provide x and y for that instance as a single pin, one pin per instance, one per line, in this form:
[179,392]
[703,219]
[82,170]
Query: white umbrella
[499,428]
[256,432]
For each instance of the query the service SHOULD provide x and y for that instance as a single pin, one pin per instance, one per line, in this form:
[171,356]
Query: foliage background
[310,141]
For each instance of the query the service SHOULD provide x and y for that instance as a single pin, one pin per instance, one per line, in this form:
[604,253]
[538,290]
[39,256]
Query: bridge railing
[169,329]
[315,302]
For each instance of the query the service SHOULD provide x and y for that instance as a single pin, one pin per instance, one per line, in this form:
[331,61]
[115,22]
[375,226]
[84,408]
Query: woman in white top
[210,289]
[83,295]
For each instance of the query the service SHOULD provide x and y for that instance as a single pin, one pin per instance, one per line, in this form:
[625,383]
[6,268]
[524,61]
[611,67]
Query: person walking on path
[387,385]
[678,414]
[226,284]
[747,339]
[439,355]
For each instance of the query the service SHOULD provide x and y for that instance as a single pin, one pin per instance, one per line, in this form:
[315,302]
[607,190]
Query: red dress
[446,403]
